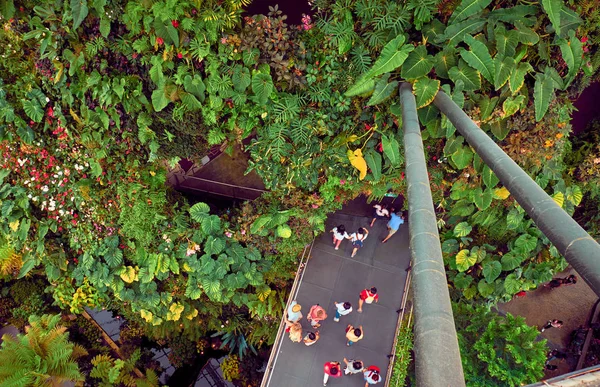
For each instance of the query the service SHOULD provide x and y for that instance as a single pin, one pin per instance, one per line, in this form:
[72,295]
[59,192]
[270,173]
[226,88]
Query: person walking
[294,313]
[339,234]
[368,296]
[353,366]
[552,324]
[372,375]
[311,338]
[333,369]
[341,309]
[316,314]
[358,238]
[353,334]
[393,225]
[380,212]
[296,332]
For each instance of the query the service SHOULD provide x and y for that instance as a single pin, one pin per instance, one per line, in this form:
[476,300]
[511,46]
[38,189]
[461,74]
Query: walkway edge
[280,332]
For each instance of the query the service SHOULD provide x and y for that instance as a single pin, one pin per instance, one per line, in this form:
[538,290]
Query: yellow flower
[549,143]
[559,135]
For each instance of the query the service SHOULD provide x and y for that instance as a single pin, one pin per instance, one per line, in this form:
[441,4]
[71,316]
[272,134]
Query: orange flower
[549,143]
[559,135]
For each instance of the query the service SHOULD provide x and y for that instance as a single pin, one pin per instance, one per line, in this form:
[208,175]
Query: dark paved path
[333,276]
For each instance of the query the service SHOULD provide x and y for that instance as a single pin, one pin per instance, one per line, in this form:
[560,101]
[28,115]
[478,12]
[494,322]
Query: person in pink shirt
[316,314]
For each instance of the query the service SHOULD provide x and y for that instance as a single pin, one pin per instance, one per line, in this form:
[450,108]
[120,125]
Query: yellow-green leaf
[501,193]
[559,198]
[425,91]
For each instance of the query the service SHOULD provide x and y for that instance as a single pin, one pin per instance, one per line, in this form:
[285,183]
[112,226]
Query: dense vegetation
[98,98]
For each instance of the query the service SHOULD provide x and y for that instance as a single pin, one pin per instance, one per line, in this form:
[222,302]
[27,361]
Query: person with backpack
[368,296]
[372,375]
[358,239]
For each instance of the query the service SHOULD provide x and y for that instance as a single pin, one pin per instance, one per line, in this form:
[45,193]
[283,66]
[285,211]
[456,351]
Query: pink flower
[243,232]
[306,20]
[342,182]
[224,40]
[584,39]
[315,206]
[179,55]
[159,41]
[228,234]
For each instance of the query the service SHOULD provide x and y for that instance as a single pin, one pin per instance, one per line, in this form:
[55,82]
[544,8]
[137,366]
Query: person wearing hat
[294,313]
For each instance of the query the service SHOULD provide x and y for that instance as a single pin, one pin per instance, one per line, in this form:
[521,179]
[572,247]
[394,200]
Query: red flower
[179,55]
[434,158]
[159,41]
[584,39]
[367,127]
[175,23]
[50,112]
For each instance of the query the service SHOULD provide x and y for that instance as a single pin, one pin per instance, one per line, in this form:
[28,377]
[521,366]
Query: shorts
[392,231]
[357,243]
[377,216]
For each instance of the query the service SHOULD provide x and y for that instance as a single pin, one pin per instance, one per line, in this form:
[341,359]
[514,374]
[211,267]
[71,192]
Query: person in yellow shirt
[353,334]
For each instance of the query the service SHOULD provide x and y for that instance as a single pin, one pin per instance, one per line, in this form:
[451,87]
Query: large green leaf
[418,64]
[444,61]
[491,270]
[479,58]
[391,149]
[33,110]
[512,285]
[462,281]
[506,41]
[425,90]
[526,243]
[462,229]
[428,114]
[572,53]
[484,288]
[199,211]
[543,92]
[79,11]
[363,85]
[464,260]
[462,157]
[483,199]
[468,8]
[433,30]
[455,33]
[569,21]
[514,219]
[259,223]
[517,77]
[241,78]
[489,177]
[469,76]
[284,231]
[195,86]
[510,261]
[373,159]
[211,224]
[166,32]
[392,56]
[487,106]
[160,100]
[525,34]
[7,9]
[511,105]
[262,86]
[553,10]
[504,68]
[513,14]
[383,90]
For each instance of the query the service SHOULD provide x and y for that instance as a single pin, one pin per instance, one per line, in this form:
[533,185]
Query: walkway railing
[183,181]
[399,326]
[281,332]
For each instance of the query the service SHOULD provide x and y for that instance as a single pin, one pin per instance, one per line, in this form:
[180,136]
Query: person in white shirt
[339,234]
[381,212]
[358,239]
[341,309]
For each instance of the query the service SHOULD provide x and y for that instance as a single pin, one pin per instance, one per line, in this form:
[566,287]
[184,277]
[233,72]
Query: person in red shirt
[316,314]
[333,369]
[368,296]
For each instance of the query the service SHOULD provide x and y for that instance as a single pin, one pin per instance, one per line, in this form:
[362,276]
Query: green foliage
[116,372]
[498,350]
[402,358]
[42,355]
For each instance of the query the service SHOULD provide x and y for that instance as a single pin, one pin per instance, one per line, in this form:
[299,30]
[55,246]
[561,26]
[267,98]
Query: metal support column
[437,356]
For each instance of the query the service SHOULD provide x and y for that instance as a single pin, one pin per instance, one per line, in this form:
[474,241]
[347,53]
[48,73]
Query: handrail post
[437,355]
[571,240]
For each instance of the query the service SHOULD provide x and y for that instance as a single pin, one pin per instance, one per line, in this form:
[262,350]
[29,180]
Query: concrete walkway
[333,276]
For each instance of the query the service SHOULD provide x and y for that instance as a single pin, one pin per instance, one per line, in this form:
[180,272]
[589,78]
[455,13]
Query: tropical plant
[498,350]
[41,356]
[116,372]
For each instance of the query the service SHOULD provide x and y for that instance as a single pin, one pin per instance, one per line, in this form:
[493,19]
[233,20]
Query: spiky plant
[43,356]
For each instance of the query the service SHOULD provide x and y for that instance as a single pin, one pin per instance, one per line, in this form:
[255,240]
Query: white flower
[189,252]
[47,99]
[45,188]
